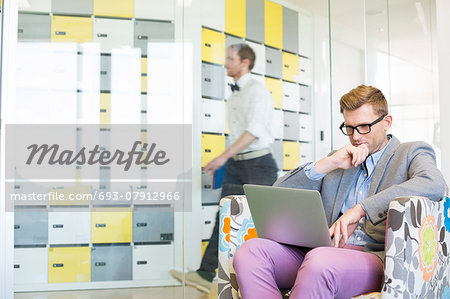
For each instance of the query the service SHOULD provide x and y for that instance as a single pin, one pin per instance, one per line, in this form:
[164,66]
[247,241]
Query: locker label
[142,37]
[141,224]
[102,35]
[17,226]
[103,72]
[208,45]
[20,31]
[142,262]
[100,225]
[58,265]
[166,237]
[208,222]
[269,61]
[100,264]
[207,115]
[207,80]
[60,33]
[207,150]
[16,266]
[58,225]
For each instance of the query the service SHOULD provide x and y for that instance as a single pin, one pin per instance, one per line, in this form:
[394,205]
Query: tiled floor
[136,293]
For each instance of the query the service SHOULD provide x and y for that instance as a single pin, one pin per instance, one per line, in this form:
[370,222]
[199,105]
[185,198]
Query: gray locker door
[153,224]
[209,195]
[274,63]
[152,31]
[34,28]
[79,7]
[105,73]
[291,125]
[290,30]
[277,152]
[213,78]
[255,20]
[305,99]
[30,226]
[109,263]
[231,40]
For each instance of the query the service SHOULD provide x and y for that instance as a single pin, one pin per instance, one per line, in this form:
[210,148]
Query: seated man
[357,182]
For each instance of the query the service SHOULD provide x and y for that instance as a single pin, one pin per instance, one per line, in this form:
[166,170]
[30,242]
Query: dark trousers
[261,171]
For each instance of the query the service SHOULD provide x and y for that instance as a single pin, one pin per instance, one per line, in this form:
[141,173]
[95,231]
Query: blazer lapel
[347,179]
[381,165]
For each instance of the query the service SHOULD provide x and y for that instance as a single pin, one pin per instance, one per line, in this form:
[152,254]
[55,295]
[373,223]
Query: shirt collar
[373,159]
[243,80]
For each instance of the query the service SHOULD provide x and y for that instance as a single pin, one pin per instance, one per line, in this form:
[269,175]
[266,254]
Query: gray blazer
[404,169]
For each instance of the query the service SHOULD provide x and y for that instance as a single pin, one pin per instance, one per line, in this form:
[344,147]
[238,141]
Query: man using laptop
[356,182]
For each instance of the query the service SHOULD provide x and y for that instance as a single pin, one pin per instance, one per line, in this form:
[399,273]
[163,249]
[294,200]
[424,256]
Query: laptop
[289,216]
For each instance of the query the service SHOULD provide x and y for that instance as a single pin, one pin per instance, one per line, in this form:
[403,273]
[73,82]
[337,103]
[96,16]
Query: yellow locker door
[105,108]
[290,67]
[143,83]
[212,146]
[276,89]
[114,8]
[291,155]
[112,225]
[213,46]
[273,23]
[71,29]
[144,65]
[235,21]
[69,264]
[204,245]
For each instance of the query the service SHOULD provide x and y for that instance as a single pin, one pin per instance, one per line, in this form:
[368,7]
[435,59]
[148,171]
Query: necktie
[234,87]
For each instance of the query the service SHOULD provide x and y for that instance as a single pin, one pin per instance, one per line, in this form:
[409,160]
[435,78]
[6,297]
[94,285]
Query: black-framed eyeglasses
[362,129]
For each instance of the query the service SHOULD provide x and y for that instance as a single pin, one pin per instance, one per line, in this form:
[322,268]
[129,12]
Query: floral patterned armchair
[417,254]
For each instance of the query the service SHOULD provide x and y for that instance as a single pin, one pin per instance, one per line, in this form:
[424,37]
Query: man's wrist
[325,165]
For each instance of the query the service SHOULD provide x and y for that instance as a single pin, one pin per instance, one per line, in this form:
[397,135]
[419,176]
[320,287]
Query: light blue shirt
[358,192]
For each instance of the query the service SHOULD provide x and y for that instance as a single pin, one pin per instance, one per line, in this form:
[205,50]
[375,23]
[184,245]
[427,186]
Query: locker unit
[275,87]
[152,261]
[274,63]
[42,6]
[153,224]
[105,73]
[260,58]
[209,220]
[277,124]
[109,263]
[69,264]
[231,40]
[113,33]
[306,128]
[255,23]
[152,31]
[306,153]
[69,7]
[213,116]
[33,27]
[30,226]
[213,77]
[71,29]
[290,30]
[154,9]
[305,71]
[69,227]
[212,146]
[111,225]
[273,24]
[277,152]
[305,99]
[235,17]
[291,125]
[291,155]
[213,46]
[291,96]
[290,67]
[114,8]
[30,265]
[105,108]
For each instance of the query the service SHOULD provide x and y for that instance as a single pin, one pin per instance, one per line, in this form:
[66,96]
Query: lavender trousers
[263,267]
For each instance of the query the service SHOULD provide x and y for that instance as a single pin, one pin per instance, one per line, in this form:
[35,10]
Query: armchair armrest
[236,227]
[417,252]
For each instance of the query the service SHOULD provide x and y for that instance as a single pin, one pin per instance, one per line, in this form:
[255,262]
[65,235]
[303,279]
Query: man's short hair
[361,95]
[245,52]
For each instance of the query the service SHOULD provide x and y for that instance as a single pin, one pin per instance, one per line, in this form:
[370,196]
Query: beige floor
[137,293]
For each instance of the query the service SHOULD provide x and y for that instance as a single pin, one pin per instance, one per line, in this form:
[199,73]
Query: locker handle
[302,70]
[102,35]
[207,80]
[16,266]
[287,125]
[208,222]
[286,95]
[141,224]
[303,127]
[303,156]
[142,262]
[142,37]
[207,115]
[17,226]
[208,45]
[103,72]
[58,265]
[58,225]
[268,61]
[302,99]
[207,150]
[207,186]
[100,264]
[60,33]
[103,110]
[100,225]
[287,155]
[20,30]
[286,66]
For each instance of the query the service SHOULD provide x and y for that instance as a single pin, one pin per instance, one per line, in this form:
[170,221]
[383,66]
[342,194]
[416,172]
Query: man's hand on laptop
[345,225]
[345,158]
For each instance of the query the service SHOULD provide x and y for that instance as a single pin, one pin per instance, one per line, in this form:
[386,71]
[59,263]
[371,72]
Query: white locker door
[277,124]
[228,82]
[213,116]
[154,9]
[30,265]
[306,153]
[209,220]
[305,71]
[153,262]
[113,33]
[35,6]
[212,14]
[291,96]
[305,30]
[306,128]
[260,61]
[259,78]
[69,227]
